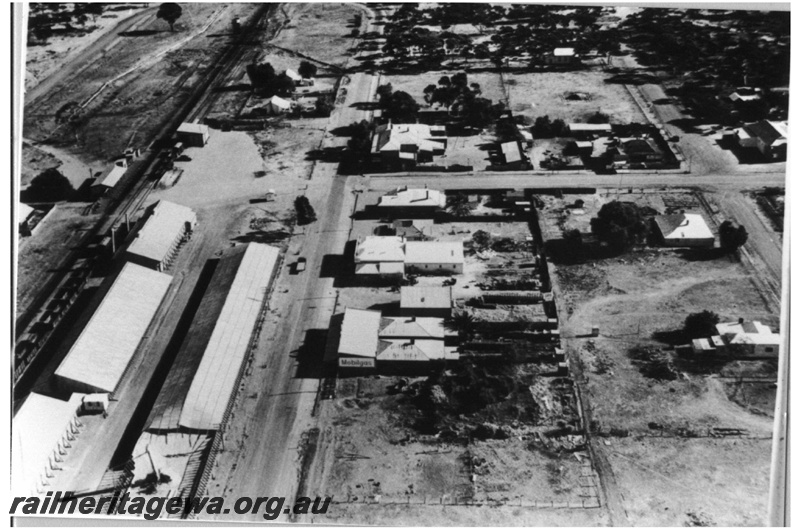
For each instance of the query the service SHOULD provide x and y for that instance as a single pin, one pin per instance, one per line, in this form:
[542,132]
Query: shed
[426,301]
[165,225]
[193,134]
[99,358]
[277,105]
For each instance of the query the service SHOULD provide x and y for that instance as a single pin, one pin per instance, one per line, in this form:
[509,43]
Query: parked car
[300,266]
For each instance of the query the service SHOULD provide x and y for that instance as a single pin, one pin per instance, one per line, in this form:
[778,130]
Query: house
[769,137]
[749,339]
[641,151]
[358,339]
[277,105]
[684,230]
[434,257]
[426,301]
[413,202]
[408,144]
[560,56]
[380,256]
[512,156]
[589,130]
[193,134]
[293,75]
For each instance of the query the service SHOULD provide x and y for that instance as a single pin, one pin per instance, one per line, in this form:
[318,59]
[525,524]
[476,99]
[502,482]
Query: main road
[274,412]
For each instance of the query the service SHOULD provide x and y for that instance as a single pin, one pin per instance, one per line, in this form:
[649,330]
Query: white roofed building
[110,178]
[379,255]
[99,358]
[277,105]
[684,230]
[41,433]
[426,301]
[193,134]
[769,137]
[166,225]
[434,257]
[749,338]
[405,199]
[561,56]
[358,338]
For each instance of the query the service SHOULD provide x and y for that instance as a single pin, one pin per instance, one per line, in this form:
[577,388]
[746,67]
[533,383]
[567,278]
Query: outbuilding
[277,105]
[193,134]
[434,257]
[426,301]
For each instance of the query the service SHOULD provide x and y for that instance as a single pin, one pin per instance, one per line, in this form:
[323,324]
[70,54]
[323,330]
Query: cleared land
[571,96]
[640,389]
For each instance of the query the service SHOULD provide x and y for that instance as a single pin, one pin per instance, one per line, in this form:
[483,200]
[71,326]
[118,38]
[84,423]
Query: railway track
[133,191]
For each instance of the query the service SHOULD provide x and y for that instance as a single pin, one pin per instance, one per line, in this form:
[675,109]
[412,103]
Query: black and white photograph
[400,264]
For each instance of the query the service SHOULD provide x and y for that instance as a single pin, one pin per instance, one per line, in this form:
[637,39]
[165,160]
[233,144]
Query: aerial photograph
[400,264]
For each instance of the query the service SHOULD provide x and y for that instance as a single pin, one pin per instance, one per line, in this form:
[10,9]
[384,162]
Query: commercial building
[164,227]
[394,256]
[684,230]
[404,198]
[41,435]
[369,342]
[99,358]
[193,134]
[434,257]
[380,255]
[426,301]
[358,339]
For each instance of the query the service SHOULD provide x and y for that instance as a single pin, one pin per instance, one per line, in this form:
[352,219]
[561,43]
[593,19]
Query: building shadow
[311,354]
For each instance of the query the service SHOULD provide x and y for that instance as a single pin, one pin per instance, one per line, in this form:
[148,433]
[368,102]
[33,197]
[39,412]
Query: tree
[307,69]
[282,85]
[700,325]
[598,117]
[401,107]
[169,12]
[261,75]
[620,224]
[384,92]
[49,186]
[360,138]
[428,93]
[324,105]
[481,239]
[463,323]
[305,212]
[94,9]
[732,236]
[458,205]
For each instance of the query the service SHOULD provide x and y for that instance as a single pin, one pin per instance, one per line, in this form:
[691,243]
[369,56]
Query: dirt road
[266,460]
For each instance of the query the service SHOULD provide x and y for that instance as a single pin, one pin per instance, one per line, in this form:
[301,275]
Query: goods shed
[165,226]
[219,372]
[105,347]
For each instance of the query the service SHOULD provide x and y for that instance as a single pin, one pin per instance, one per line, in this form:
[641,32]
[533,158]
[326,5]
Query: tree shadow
[263,236]
[701,254]
[328,154]
[366,105]
[671,337]
[140,33]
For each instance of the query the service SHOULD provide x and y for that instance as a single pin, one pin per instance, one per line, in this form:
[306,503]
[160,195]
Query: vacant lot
[320,31]
[571,96]
[638,385]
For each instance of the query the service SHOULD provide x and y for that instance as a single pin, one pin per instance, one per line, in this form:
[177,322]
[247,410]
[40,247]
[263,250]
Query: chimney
[741,320]
[412,319]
